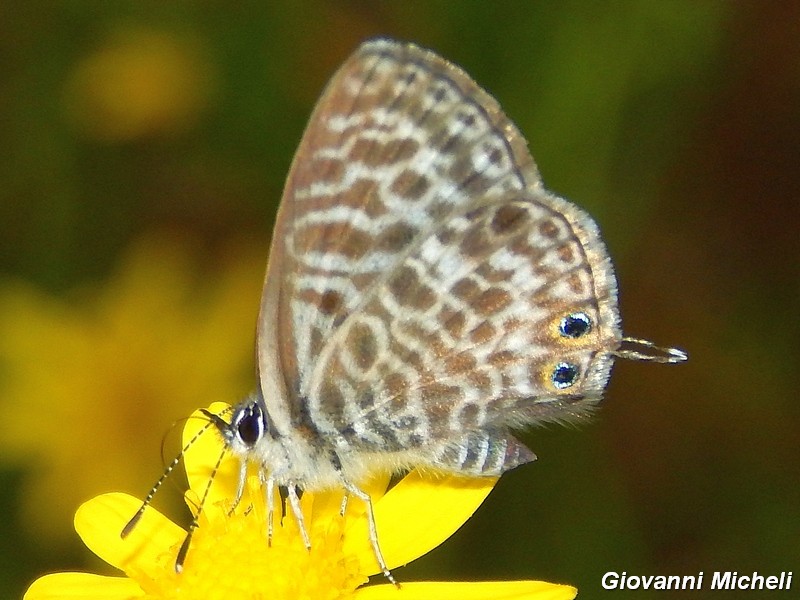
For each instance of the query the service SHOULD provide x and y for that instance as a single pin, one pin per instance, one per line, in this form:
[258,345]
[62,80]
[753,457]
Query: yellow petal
[415,516]
[205,447]
[487,590]
[150,546]
[59,586]
[328,504]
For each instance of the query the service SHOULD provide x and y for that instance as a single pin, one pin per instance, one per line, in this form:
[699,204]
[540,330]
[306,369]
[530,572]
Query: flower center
[231,557]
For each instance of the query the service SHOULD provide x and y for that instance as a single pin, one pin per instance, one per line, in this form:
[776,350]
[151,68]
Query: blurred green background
[144,149]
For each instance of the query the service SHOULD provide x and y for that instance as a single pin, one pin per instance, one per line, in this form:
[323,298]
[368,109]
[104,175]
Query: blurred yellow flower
[139,82]
[231,557]
[91,383]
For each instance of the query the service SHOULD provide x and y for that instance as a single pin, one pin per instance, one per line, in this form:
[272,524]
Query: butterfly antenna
[131,525]
[645,350]
[181,558]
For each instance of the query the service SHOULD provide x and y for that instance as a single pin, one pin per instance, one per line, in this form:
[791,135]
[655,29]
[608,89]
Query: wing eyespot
[575,325]
[564,375]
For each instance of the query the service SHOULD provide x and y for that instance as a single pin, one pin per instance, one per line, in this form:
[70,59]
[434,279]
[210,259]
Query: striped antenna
[131,525]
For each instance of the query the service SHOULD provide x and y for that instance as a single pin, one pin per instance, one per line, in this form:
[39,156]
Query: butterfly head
[248,426]
[252,437]
[248,434]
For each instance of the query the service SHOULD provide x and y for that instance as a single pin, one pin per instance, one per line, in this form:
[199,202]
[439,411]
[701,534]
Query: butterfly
[425,295]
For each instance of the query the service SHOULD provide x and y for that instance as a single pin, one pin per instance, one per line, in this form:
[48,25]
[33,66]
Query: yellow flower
[139,82]
[104,371]
[230,555]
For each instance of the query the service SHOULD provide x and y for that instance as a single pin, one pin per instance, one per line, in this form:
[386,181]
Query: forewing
[399,141]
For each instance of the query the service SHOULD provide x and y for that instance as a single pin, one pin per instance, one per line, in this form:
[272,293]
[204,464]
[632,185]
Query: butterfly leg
[270,493]
[373,530]
[294,502]
[343,506]
[239,488]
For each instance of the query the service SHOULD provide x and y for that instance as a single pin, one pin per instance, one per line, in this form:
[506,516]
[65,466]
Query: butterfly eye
[575,325]
[564,375]
[250,427]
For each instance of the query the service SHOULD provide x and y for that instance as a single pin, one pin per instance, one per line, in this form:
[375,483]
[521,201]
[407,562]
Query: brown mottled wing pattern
[463,336]
[385,157]
[419,272]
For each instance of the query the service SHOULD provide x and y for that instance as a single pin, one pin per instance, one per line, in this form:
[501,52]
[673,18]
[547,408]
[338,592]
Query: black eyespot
[564,375]
[575,325]
[250,426]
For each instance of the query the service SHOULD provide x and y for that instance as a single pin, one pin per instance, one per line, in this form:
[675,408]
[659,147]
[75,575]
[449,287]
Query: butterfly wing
[420,274]
[465,337]
[399,140]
